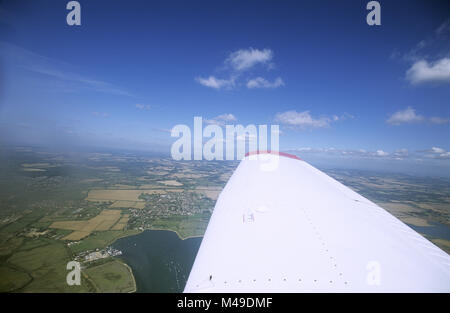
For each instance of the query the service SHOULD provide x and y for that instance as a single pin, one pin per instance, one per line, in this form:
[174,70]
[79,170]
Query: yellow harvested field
[146,186]
[170,183]
[121,223]
[77,235]
[128,204]
[139,205]
[107,223]
[187,175]
[35,165]
[33,170]
[161,191]
[104,221]
[174,190]
[113,194]
[159,173]
[92,180]
[154,191]
[122,204]
[69,225]
[120,186]
[119,226]
[442,243]
[415,221]
[210,192]
[398,208]
[119,194]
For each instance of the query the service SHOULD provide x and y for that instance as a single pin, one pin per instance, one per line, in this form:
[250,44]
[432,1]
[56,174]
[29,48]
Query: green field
[185,227]
[46,266]
[113,276]
[100,239]
[11,279]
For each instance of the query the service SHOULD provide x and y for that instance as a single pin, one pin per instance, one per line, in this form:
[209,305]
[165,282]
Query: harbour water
[160,260]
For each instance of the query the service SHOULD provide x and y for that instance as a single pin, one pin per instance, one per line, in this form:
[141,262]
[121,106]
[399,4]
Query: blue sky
[344,93]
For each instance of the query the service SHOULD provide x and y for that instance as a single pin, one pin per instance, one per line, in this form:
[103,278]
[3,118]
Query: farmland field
[104,221]
[113,276]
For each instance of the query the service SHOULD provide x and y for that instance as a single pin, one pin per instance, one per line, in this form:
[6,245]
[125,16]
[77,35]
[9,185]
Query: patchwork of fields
[104,221]
[123,198]
[121,223]
[55,209]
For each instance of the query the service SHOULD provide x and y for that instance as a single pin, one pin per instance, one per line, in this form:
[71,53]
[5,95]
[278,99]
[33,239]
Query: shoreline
[132,276]
[176,232]
[124,262]
[140,232]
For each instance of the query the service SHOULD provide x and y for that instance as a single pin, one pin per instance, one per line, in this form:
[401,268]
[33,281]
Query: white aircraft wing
[281,225]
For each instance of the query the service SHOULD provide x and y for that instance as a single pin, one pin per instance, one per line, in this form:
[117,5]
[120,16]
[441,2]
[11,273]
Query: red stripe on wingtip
[291,156]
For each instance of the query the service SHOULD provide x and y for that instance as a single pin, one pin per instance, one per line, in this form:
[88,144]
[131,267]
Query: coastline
[179,236]
[139,232]
[132,276]
[123,261]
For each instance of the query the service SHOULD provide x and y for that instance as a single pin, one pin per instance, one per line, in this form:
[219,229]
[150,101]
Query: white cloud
[429,59]
[244,59]
[143,106]
[343,117]
[409,115]
[304,149]
[221,120]
[437,150]
[424,72]
[301,120]
[406,116]
[260,82]
[215,83]
[236,64]
[438,153]
[434,153]
[439,120]
[381,153]
[401,153]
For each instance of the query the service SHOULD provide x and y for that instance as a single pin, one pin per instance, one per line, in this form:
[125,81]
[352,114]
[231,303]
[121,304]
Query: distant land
[56,207]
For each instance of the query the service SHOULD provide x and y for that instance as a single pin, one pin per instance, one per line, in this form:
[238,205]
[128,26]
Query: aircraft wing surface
[281,225]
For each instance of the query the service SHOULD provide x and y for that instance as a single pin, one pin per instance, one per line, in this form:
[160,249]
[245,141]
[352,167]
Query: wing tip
[284,154]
